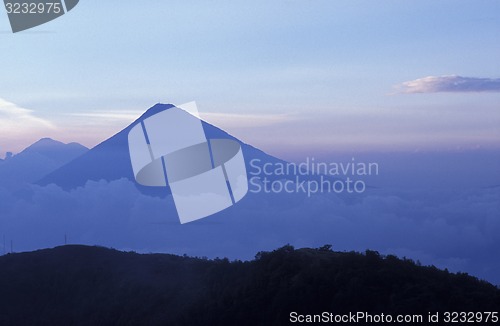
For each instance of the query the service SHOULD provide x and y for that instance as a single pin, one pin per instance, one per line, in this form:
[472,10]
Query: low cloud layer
[449,228]
[452,83]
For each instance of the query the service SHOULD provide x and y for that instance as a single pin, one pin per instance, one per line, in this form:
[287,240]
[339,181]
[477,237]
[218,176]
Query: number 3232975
[33,8]
[471,317]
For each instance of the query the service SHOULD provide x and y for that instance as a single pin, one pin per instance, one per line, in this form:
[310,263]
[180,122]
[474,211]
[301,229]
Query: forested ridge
[82,285]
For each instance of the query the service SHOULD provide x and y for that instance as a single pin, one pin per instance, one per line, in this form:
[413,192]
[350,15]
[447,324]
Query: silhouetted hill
[78,285]
[37,160]
[55,150]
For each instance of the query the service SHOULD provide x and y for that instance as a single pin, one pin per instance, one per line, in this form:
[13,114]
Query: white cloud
[451,83]
[225,120]
[20,127]
[233,120]
[125,115]
[17,119]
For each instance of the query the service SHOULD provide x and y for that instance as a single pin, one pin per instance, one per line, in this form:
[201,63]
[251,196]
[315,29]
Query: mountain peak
[48,139]
[54,149]
[48,144]
[44,142]
[110,160]
[157,108]
[37,160]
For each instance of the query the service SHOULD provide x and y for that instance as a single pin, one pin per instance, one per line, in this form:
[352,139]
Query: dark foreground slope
[78,285]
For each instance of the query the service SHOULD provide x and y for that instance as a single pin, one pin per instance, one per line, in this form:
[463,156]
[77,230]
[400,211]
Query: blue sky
[286,76]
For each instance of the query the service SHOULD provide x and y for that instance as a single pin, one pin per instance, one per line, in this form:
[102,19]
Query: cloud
[231,120]
[451,83]
[15,119]
[457,229]
[125,115]
[20,124]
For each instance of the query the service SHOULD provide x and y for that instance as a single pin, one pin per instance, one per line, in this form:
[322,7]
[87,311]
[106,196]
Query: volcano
[110,160]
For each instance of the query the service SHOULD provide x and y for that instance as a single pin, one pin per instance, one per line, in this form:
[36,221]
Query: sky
[294,78]
[285,76]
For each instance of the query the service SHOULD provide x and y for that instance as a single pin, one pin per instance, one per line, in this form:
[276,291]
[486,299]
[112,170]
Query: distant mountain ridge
[110,160]
[37,160]
[55,150]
